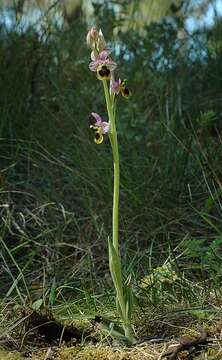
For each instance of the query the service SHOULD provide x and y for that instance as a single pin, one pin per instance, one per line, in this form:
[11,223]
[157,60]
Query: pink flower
[101,59]
[118,86]
[115,86]
[99,127]
[100,124]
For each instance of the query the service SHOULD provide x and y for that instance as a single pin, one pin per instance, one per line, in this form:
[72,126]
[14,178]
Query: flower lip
[125,92]
[98,137]
[103,72]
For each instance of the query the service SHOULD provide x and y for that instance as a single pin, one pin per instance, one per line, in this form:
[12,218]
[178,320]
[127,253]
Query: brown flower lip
[97,136]
[103,73]
[126,92]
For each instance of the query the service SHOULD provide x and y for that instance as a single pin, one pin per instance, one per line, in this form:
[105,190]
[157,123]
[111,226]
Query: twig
[186,343]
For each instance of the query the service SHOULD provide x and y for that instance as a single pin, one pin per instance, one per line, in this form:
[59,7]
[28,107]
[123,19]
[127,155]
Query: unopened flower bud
[101,43]
[92,37]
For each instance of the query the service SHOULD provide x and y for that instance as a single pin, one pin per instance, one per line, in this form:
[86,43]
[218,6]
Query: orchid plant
[102,64]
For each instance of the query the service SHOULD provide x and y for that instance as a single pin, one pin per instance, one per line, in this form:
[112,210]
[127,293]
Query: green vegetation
[56,184]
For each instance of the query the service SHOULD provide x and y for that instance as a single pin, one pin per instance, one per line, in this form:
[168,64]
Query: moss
[86,353]
[100,352]
[6,355]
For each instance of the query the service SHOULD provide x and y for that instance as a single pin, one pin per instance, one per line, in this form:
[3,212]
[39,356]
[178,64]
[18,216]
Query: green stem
[115,192]
[115,228]
[114,144]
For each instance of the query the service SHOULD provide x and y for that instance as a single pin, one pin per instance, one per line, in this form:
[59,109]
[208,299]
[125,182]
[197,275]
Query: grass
[51,245]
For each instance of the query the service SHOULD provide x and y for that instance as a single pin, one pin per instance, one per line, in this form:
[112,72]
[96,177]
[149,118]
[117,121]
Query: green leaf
[114,264]
[129,297]
[37,304]
[119,310]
